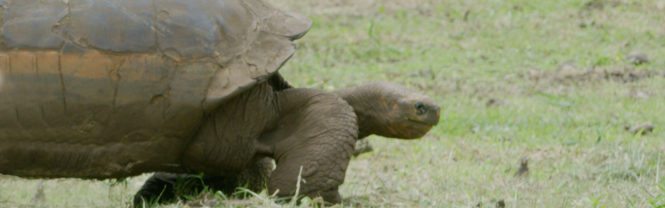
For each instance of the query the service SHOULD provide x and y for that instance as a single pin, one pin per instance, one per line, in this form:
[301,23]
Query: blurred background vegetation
[570,86]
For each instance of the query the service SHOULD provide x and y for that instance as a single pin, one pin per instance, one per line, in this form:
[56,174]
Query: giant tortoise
[106,89]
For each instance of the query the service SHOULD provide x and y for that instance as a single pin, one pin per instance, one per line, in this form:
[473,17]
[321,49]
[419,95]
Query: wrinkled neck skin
[367,113]
[258,123]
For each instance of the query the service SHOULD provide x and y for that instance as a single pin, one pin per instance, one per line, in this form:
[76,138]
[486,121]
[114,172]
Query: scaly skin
[382,108]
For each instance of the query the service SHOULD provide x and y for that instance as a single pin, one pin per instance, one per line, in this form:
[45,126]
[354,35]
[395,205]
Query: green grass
[569,123]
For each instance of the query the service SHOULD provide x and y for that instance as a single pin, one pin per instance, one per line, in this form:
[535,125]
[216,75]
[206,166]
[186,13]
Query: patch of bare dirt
[600,4]
[568,73]
[640,94]
[643,128]
[637,58]
[492,102]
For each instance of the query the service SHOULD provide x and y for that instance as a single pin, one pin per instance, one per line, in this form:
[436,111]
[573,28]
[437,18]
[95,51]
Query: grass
[561,90]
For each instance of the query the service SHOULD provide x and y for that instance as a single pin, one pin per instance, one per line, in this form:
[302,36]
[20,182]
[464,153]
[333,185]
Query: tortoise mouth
[427,121]
[421,122]
[415,129]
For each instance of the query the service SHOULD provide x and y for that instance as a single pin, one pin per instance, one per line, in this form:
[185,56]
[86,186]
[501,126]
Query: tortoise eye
[420,108]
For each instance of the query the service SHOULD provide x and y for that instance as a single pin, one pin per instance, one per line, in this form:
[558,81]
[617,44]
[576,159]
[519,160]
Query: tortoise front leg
[313,141]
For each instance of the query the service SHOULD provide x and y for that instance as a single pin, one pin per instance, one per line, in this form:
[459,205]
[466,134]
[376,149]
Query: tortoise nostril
[421,108]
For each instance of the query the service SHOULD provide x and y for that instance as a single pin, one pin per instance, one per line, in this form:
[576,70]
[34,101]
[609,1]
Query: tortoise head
[391,110]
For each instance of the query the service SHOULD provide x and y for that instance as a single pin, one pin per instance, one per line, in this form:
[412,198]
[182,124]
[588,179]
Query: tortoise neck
[363,100]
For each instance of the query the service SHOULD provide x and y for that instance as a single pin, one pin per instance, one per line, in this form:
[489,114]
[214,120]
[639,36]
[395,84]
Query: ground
[549,81]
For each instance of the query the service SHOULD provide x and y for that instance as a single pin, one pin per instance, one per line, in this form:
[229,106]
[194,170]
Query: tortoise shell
[103,72]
